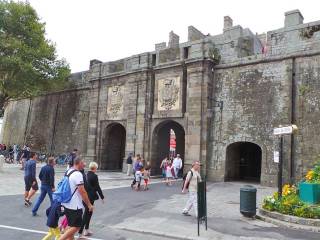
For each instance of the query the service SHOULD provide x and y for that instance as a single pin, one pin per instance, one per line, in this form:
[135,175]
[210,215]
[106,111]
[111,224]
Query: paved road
[120,203]
[154,214]
[139,215]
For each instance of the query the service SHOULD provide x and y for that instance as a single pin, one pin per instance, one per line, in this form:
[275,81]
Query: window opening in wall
[185,52]
[154,59]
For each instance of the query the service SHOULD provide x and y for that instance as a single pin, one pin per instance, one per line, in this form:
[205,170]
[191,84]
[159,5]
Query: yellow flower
[286,203]
[287,190]
[310,175]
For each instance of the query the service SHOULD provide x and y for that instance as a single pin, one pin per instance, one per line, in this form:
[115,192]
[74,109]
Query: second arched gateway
[113,147]
[243,162]
[161,143]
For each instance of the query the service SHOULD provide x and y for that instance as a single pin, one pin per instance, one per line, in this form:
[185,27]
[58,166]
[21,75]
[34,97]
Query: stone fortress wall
[214,90]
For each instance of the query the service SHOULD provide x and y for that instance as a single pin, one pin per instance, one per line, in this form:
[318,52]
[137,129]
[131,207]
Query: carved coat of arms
[168,94]
[115,100]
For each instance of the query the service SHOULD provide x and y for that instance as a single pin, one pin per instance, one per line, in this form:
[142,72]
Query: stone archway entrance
[243,162]
[161,143]
[113,147]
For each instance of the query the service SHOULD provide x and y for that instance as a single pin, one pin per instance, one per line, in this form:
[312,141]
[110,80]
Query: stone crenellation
[222,95]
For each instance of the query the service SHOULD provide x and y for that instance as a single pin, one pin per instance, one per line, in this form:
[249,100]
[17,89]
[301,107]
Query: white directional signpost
[285,130]
[281,131]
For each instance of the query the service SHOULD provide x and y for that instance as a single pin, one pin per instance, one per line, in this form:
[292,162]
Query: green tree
[29,64]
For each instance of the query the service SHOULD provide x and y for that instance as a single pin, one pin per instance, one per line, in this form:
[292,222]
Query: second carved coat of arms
[168,94]
[115,101]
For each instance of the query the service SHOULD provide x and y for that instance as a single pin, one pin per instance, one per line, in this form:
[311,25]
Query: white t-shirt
[75,180]
[193,178]
[177,162]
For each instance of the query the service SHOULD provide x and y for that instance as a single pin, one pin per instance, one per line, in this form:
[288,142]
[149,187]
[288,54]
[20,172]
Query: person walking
[86,187]
[136,166]
[73,209]
[94,192]
[169,173]
[129,164]
[25,156]
[71,157]
[191,184]
[54,212]
[15,153]
[46,177]
[163,167]
[31,184]
[177,166]
[146,177]
[11,157]
[137,159]
[2,161]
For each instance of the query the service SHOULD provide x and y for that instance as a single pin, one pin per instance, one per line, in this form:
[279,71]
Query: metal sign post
[281,131]
[202,204]
[280,167]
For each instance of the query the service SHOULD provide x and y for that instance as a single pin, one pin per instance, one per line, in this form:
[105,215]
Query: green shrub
[290,204]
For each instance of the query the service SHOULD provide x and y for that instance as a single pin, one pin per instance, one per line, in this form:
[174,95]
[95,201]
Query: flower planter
[309,192]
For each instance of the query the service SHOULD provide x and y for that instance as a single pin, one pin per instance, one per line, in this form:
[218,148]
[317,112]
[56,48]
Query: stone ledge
[289,221]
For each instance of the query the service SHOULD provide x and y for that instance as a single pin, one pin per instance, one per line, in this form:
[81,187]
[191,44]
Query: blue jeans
[44,190]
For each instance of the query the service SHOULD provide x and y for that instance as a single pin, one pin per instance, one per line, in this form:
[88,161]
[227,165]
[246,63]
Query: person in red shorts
[146,177]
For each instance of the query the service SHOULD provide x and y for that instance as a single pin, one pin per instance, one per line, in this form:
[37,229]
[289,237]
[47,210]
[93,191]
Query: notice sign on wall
[276,156]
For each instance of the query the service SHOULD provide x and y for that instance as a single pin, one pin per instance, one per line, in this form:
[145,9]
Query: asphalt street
[119,204]
[124,205]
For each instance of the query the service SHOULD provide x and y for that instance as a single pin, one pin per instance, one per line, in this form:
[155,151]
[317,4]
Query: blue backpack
[63,193]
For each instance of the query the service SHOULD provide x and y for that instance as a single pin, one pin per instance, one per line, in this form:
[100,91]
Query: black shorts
[74,217]
[28,182]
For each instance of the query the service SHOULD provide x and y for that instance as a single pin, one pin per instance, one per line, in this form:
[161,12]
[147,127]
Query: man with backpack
[191,184]
[73,207]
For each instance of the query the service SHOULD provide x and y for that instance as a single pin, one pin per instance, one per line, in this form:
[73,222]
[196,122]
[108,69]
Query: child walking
[54,212]
[146,178]
[169,174]
[63,224]
[138,177]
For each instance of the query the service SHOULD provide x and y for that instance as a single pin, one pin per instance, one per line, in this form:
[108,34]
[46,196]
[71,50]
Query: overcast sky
[112,29]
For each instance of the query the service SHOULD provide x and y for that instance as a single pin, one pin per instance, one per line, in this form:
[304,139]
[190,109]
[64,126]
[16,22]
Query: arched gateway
[161,143]
[243,162]
[114,143]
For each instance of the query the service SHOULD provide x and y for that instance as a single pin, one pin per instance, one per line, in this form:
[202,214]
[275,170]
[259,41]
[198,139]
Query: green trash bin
[248,201]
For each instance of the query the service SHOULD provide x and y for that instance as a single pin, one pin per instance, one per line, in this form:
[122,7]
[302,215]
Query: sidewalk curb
[287,224]
[160,234]
[309,222]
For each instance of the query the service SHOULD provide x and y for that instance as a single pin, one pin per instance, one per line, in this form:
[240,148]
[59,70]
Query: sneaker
[34,214]
[81,236]
[87,233]
[186,214]
[27,203]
